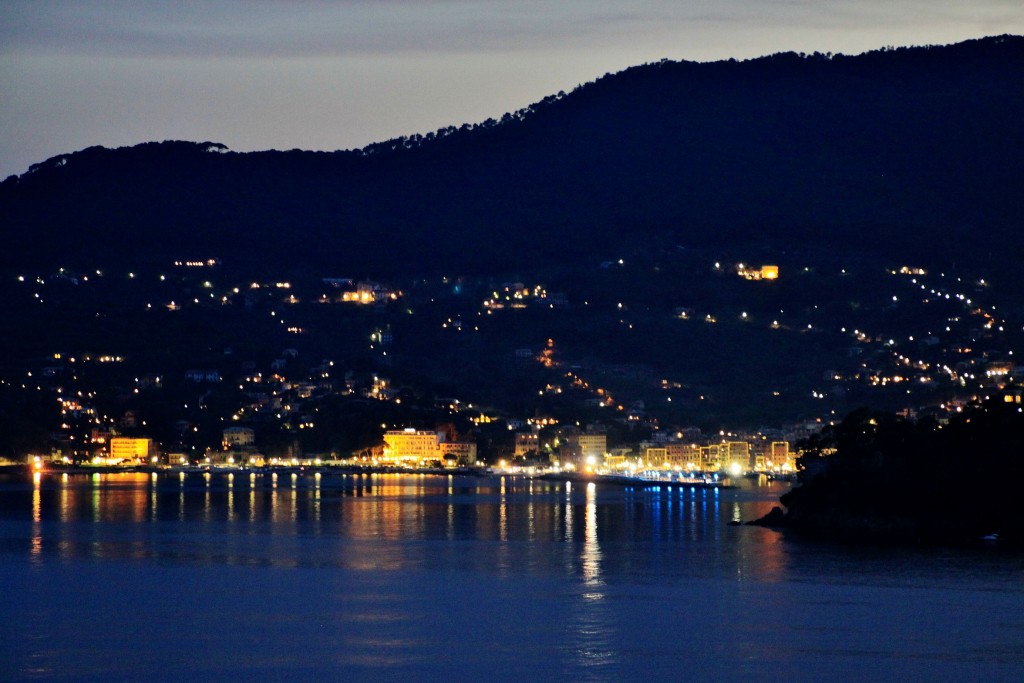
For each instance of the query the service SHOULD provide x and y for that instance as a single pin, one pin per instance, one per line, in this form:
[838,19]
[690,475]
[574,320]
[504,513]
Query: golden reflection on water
[317,503]
[37,517]
[382,522]
[593,634]
[65,510]
[37,498]
[591,546]
[96,497]
[275,506]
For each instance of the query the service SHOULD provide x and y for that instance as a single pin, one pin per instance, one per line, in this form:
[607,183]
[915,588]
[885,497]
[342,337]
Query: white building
[411,447]
[238,438]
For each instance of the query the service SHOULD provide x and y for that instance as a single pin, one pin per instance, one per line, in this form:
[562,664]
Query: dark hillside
[914,152]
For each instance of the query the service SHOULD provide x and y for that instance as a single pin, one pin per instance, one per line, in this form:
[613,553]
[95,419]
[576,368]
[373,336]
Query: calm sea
[377,577]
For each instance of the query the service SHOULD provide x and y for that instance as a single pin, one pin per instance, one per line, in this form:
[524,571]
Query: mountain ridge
[893,145]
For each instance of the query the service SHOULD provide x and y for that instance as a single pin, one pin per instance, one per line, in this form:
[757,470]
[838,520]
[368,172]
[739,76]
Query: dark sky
[315,74]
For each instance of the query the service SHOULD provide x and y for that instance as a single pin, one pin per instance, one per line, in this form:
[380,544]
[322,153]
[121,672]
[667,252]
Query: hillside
[913,152]
[878,478]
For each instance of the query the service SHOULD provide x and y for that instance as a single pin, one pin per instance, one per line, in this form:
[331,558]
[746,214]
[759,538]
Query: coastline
[574,477]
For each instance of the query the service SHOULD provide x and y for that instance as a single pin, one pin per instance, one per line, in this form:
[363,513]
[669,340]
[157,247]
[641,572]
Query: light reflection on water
[602,581]
[591,546]
[528,525]
[594,637]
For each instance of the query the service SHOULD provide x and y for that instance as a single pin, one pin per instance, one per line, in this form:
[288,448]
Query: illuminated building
[592,445]
[124,448]
[458,453]
[779,456]
[98,435]
[998,369]
[762,273]
[737,455]
[683,455]
[711,457]
[411,447]
[570,454]
[231,457]
[582,450]
[381,389]
[418,448]
[359,297]
[656,456]
[526,442]
[238,438]
[368,293]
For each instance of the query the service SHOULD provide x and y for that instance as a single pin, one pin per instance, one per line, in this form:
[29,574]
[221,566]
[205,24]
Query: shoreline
[573,477]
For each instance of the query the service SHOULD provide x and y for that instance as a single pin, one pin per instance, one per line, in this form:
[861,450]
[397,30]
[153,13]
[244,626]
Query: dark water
[133,576]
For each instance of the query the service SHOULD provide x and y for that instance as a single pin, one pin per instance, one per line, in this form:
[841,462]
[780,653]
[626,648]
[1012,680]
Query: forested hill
[911,151]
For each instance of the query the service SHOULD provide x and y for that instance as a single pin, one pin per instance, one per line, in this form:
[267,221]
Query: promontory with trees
[877,477]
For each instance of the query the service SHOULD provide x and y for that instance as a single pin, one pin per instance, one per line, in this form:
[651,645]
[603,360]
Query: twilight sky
[321,74]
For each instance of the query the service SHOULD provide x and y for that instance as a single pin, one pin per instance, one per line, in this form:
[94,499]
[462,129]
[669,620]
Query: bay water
[255,576]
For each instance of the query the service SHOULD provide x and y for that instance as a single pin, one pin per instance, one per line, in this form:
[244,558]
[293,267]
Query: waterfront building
[683,455]
[227,458]
[592,444]
[711,457]
[130,449]
[779,457]
[457,453]
[414,448]
[526,443]
[736,455]
[410,446]
[238,438]
[657,457]
[570,455]
[618,461]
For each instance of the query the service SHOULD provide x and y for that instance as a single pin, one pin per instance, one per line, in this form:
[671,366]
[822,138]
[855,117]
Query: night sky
[313,74]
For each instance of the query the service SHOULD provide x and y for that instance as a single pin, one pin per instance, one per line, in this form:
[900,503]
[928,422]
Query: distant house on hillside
[203,375]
